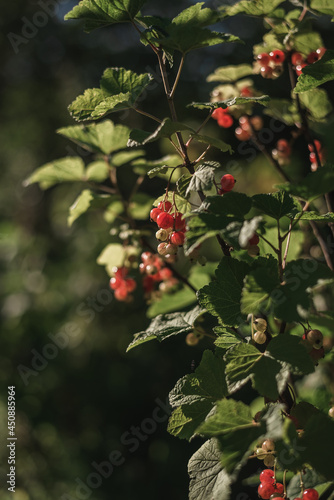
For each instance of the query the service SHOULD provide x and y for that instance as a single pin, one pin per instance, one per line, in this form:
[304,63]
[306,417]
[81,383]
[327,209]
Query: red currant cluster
[282,152]
[269,488]
[266,452]
[299,61]
[313,340]
[271,65]
[309,494]
[227,183]
[246,127]
[157,277]
[223,117]
[313,157]
[122,285]
[172,229]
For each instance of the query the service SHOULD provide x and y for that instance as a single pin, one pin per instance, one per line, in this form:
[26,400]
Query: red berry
[116,282]
[147,257]
[277,56]
[263,58]
[265,490]
[225,121]
[165,206]
[279,488]
[166,273]
[165,220]
[148,284]
[267,476]
[257,122]
[177,239]
[121,293]
[298,498]
[227,182]
[179,222]
[317,146]
[244,123]
[297,58]
[312,57]
[299,68]
[246,92]
[266,71]
[242,135]
[154,213]
[310,494]
[254,240]
[120,272]
[219,112]
[130,284]
[321,52]
[283,148]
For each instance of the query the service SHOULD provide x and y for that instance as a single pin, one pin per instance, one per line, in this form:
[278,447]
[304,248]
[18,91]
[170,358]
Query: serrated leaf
[68,169]
[276,205]
[87,199]
[306,39]
[230,416]
[312,215]
[208,480]
[203,178]
[104,137]
[230,102]
[184,421]
[251,7]
[143,166]
[97,171]
[166,129]
[313,185]
[165,326]
[317,103]
[323,6]
[112,256]
[124,157]
[222,297]
[99,13]
[284,110]
[231,204]
[317,73]
[226,337]
[120,88]
[227,74]
[213,141]
[157,170]
[182,184]
[245,362]
[288,349]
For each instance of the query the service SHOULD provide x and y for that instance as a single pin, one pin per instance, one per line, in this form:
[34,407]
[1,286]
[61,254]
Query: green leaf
[182,184]
[165,326]
[312,215]
[112,256]
[222,297]
[317,103]
[230,102]
[208,480]
[166,129]
[204,226]
[323,6]
[310,479]
[231,204]
[276,205]
[99,13]
[68,169]
[97,171]
[226,337]
[245,362]
[184,421]
[114,209]
[181,204]
[306,39]
[86,200]
[230,73]
[104,137]
[124,157]
[213,141]
[313,185]
[153,168]
[203,178]
[284,110]
[251,7]
[288,349]
[317,73]
[120,88]
[140,206]
[230,416]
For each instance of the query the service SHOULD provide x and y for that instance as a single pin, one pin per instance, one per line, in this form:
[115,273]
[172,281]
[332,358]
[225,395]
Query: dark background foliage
[73,411]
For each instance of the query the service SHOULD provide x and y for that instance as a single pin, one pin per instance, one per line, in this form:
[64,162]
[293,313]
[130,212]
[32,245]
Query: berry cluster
[313,341]
[246,127]
[271,65]
[172,227]
[282,152]
[227,183]
[266,452]
[313,156]
[299,61]
[269,488]
[223,117]
[122,285]
[157,277]
[259,336]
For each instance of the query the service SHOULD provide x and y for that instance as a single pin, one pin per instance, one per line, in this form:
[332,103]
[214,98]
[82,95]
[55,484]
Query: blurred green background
[73,409]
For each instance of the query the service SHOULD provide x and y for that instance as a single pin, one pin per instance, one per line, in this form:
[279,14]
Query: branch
[140,111]
[171,95]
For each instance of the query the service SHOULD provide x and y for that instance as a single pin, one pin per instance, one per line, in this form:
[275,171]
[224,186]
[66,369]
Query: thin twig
[200,128]
[103,188]
[140,111]
[200,158]
[287,246]
[172,93]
